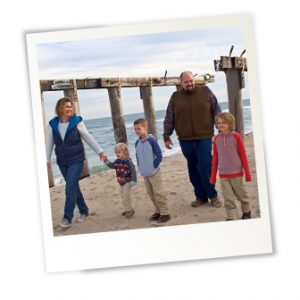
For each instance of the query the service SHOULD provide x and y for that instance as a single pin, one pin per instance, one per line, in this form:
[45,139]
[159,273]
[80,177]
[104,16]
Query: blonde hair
[60,104]
[227,117]
[122,147]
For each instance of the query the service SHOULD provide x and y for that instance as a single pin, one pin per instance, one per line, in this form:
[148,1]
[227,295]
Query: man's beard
[189,89]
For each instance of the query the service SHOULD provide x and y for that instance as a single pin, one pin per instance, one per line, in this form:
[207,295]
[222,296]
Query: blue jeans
[199,158]
[74,196]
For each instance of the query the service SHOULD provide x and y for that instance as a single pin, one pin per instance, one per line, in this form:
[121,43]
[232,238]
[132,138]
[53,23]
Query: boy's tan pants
[231,188]
[125,196]
[157,195]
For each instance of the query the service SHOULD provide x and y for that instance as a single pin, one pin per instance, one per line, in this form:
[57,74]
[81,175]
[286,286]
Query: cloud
[137,56]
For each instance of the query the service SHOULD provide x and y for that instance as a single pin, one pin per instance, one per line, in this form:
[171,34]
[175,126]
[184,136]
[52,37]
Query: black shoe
[246,215]
[163,218]
[154,217]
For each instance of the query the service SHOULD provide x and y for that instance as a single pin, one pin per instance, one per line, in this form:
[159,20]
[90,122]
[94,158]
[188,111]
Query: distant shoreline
[103,168]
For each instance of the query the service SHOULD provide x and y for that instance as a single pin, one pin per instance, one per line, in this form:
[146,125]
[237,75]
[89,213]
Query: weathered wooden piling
[49,167]
[147,97]
[72,94]
[234,68]
[117,114]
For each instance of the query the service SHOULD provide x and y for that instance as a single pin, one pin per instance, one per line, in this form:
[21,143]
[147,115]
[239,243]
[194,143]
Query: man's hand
[169,144]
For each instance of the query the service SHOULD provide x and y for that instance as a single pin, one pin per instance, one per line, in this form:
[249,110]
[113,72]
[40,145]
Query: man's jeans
[199,158]
[74,196]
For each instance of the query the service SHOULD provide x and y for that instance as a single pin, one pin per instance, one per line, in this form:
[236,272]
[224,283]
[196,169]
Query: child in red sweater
[229,158]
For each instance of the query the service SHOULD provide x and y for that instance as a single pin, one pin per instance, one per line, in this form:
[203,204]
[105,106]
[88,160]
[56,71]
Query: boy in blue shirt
[149,157]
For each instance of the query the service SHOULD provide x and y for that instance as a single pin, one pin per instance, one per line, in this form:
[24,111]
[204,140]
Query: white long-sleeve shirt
[62,127]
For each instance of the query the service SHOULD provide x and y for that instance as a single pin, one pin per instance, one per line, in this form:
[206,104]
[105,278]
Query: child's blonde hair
[122,147]
[227,117]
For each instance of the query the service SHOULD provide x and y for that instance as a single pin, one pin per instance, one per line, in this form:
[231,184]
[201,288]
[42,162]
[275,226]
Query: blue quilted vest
[71,150]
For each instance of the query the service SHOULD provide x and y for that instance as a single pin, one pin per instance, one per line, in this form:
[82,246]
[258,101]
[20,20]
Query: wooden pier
[233,67]
[114,87]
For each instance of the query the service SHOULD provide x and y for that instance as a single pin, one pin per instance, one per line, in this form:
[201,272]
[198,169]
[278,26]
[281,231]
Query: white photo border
[166,244]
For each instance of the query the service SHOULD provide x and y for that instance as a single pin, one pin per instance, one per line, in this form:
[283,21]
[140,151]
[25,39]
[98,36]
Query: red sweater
[229,157]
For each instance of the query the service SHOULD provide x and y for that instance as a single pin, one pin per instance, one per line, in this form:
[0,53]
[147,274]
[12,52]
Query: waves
[103,132]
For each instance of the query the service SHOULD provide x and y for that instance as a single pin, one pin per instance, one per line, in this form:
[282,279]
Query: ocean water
[102,130]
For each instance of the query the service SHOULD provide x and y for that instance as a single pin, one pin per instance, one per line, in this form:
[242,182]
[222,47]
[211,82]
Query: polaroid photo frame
[156,244]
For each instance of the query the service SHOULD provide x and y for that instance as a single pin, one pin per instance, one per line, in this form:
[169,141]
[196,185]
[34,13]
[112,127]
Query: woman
[65,131]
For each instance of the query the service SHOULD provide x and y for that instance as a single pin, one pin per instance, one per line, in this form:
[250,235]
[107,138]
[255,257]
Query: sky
[147,55]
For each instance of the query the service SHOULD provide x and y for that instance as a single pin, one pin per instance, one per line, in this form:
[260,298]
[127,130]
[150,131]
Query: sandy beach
[101,192]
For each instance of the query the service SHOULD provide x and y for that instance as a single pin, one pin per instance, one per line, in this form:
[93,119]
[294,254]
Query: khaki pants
[125,196]
[157,195]
[231,188]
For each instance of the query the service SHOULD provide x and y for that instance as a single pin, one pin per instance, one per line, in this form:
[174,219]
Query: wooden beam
[226,62]
[98,83]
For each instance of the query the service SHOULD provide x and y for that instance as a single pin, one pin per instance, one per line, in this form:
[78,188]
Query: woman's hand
[103,157]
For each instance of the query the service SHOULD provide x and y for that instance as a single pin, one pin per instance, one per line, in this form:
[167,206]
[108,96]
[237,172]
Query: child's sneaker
[129,213]
[65,223]
[216,202]
[246,215]
[163,218]
[82,218]
[154,217]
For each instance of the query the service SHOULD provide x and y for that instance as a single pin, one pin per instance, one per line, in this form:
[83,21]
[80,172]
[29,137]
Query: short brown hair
[227,117]
[141,121]
[59,105]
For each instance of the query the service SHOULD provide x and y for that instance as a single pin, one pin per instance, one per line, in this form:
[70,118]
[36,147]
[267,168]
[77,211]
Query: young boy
[229,157]
[149,157]
[126,176]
